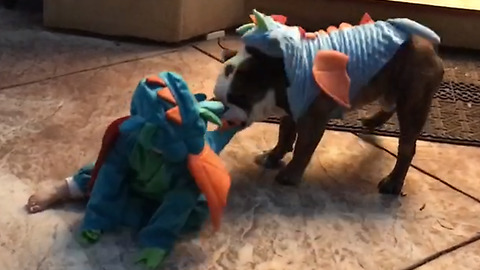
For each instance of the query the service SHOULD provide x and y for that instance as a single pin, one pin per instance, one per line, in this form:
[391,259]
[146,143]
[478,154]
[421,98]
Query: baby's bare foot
[47,194]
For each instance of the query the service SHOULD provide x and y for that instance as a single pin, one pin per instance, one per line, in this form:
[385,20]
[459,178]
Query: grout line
[443,252]
[90,69]
[446,251]
[421,170]
[207,53]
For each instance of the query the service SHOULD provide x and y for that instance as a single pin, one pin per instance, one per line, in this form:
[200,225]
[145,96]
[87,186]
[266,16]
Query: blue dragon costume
[158,170]
[339,61]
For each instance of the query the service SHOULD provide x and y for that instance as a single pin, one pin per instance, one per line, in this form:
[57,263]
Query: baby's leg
[51,192]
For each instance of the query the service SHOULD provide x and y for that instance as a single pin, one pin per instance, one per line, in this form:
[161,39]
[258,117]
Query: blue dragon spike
[186,102]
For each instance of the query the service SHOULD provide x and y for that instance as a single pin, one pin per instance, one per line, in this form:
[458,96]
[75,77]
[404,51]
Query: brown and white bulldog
[254,87]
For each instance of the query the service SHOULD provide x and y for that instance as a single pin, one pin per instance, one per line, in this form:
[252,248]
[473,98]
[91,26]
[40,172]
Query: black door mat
[454,117]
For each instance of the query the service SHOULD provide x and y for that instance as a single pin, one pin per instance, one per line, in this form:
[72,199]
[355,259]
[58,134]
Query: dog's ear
[227,54]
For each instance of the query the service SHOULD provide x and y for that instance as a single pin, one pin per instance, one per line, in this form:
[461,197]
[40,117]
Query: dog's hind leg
[286,138]
[413,106]
[411,122]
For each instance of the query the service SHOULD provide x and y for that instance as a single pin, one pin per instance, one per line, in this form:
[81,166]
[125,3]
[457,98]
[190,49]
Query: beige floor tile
[464,258]
[48,129]
[28,52]
[335,220]
[457,165]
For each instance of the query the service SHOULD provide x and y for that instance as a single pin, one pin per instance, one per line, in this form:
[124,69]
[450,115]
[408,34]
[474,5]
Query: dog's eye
[229,70]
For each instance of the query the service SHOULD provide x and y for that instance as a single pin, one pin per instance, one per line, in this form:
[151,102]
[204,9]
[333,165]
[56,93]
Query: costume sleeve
[169,220]
[110,193]
[218,139]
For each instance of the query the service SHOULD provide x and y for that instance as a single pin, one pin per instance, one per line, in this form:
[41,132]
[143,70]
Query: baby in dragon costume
[158,170]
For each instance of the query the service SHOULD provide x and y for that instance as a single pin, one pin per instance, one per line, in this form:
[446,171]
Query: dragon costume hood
[173,122]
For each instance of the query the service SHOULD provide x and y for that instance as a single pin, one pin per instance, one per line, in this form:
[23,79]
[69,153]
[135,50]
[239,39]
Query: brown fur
[406,85]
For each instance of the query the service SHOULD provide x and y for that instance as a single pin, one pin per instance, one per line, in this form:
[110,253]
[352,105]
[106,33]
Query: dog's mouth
[230,117]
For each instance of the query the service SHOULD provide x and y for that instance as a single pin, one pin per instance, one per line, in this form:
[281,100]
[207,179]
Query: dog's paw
[370,123]
[287,178]
[390,186]
[373,122]
[267,161]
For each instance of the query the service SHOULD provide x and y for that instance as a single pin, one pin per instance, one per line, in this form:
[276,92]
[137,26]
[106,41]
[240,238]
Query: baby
[158,170]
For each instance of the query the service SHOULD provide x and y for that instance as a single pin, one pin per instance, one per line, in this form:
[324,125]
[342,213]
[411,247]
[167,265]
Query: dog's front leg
[286,138]
[310,129]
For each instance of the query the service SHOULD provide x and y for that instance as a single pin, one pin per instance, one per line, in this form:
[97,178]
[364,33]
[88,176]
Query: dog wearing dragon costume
[308,78]
[157,171]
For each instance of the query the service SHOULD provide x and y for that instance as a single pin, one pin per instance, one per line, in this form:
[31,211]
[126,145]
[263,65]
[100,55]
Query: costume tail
[415,28]
[213,180]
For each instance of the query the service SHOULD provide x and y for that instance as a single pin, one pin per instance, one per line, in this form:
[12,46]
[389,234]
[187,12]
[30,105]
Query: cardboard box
[160,20]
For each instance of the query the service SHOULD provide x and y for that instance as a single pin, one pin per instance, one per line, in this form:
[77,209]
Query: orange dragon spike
[331,29]
[213,180]
[155,81]
[174,115]
[366,19]
[310,35]
[252,17]
[344,25]
[279,18]
[166,95]
[322,32]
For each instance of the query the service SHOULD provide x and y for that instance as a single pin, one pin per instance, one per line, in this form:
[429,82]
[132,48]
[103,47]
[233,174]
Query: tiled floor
[58,92]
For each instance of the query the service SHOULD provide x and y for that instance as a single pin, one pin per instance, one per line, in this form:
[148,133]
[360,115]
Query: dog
[255,86]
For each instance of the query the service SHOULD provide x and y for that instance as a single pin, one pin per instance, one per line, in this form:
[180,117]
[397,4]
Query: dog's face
[252,85]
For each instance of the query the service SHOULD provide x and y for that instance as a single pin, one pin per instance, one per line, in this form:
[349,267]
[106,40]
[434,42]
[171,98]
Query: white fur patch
[223,83]
[261,110]
[221,87]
